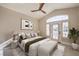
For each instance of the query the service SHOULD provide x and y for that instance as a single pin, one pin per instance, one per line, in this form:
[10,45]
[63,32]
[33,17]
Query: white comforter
[22,44]
[42,48]
[33,49]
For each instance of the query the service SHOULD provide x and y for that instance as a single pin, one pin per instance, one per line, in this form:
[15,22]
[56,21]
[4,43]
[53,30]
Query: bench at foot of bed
[47,48]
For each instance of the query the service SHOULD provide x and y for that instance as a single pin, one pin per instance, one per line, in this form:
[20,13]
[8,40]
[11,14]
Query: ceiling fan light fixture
[40,8]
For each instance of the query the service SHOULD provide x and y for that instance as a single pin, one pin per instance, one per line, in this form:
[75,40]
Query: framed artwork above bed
[26,24]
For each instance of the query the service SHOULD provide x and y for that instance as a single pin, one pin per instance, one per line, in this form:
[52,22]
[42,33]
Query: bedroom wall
[73,14]
[78,16]
[10,22]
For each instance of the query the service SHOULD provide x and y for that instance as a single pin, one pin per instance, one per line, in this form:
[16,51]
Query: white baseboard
[4,44]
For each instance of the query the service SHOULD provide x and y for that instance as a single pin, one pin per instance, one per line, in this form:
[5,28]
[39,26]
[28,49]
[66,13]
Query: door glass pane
[55,31]
[65,29]
[47,29]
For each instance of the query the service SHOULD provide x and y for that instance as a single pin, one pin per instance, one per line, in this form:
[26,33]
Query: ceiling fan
[40,8]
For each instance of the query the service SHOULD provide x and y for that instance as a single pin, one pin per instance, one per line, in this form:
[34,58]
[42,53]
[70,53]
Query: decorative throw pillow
[20,38]
[28,35]
[33,34]
[23,35]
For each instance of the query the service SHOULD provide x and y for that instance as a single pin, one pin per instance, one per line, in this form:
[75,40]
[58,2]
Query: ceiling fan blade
[34,10]
[41,6]
[43,11]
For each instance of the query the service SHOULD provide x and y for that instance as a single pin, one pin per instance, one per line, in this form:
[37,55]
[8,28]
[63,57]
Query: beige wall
[10,21]
[73,14]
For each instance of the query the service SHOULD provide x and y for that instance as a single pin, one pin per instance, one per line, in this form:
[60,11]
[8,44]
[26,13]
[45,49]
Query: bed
[33,50]
[23,42]
[32,46]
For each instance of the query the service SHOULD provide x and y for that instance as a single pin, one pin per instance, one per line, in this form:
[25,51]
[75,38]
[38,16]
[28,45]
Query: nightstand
[14,44]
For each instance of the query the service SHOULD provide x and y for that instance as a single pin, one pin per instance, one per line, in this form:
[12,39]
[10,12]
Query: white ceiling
[27,7]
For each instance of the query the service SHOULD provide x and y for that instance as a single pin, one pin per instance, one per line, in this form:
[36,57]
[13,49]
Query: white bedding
[22,44]
[33,50]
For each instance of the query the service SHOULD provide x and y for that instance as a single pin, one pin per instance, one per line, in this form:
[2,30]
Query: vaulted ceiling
[26,8]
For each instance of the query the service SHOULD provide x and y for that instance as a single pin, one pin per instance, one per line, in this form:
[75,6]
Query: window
[65,29]
[47,29]
[57,18]
[55,31]
[58,28]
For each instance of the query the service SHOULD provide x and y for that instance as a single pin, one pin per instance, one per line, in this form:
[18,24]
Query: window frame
[47,29]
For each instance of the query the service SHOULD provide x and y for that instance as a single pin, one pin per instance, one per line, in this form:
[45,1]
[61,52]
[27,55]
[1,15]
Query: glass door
[59,30]
[65,29]
[55,31]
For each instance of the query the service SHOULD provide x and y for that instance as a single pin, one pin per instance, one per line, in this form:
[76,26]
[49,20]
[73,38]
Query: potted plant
[74,34]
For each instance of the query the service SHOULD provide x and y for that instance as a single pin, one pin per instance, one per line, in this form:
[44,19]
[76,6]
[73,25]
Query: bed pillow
[28,35]
[20,38]
[23,35]
[34,34]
